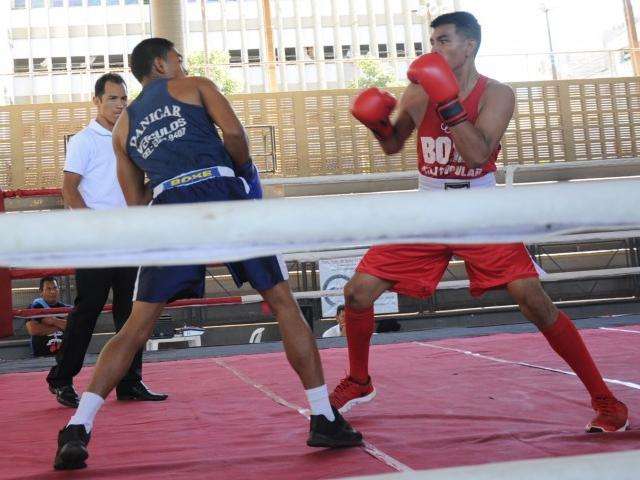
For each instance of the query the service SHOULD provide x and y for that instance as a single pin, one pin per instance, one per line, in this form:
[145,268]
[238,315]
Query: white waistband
[194,176]
[430,183]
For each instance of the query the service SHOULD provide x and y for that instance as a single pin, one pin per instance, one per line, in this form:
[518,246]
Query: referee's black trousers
[92,287]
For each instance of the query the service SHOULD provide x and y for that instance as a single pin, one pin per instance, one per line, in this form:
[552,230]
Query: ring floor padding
[435,408]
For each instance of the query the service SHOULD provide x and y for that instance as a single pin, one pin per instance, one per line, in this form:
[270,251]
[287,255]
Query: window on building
[382,50]
[418,48]
[75,3]
[329,54]
[116,61]
[20,65]
[40,64]
[78,63]
[97,62]
[131,2]
[235,56]
[290,54]
[364,50]
[57,3]
[94,3]
[19,4]
[346,51]
[254,55]
[400,50]
[113,2]
[58,63]
[310,53]
[37,3]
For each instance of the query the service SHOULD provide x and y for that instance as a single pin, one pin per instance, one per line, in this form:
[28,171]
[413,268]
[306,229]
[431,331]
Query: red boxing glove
[373,107]
[435,76]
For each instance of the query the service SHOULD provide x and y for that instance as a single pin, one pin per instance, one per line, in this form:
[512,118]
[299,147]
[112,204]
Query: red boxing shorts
[416,269]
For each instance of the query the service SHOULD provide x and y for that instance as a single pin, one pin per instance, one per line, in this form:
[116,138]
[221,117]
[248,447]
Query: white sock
[89,405]
[319,402]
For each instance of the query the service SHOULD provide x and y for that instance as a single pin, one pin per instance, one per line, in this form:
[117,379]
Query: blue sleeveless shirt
[168,137]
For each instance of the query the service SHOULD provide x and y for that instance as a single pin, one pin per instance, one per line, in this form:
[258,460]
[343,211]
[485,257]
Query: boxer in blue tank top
[169,134]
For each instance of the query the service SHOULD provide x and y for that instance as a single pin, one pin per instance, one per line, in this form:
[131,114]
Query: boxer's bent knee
[359,293]
[279,297]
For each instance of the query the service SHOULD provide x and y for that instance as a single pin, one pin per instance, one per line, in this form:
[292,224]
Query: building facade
[57,48]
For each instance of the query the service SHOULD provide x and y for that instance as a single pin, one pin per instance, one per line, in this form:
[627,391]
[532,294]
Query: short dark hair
[102,82]
[465,23]
[48,278]
[144,54]
[339,309]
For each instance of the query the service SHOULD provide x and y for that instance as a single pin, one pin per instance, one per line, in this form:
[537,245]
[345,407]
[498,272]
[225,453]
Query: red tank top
[437,155]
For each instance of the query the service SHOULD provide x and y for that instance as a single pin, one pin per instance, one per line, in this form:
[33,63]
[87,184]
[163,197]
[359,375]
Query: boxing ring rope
[28,273]
[235,230]
[627,164]
[232,231]
[601,466]
[28,313]
[24,193]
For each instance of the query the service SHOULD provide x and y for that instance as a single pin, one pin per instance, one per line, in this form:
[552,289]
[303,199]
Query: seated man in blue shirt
[46,332]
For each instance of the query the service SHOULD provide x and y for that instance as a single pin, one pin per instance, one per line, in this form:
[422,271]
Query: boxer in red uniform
[461,117]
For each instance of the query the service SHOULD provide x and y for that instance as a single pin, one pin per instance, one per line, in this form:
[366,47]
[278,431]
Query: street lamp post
[205,35]
[633,36]
[552,57]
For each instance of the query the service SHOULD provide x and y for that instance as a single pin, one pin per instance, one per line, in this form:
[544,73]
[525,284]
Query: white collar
[99,129]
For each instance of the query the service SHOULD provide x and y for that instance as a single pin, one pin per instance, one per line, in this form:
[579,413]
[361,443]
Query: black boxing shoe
[336,434]
[72,448]
[66,395]
[138,391]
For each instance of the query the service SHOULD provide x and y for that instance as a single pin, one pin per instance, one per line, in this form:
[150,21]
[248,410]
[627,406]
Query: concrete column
[168,18]
[634,46]
[267,47]
[337,42]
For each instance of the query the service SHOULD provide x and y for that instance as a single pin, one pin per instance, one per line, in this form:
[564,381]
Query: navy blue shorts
[166,284]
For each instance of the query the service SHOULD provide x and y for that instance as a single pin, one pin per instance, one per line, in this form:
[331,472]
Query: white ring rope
[446,285]
[601,466]
[230,231]
[609,167]
[344,178]
[358,252]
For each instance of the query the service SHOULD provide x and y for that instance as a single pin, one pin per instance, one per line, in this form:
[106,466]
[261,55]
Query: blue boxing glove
[249,173]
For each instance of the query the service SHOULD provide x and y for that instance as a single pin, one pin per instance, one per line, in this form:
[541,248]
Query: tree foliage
[372,73]
[217,69]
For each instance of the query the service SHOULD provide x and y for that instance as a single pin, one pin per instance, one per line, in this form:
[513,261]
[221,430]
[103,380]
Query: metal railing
[314,134]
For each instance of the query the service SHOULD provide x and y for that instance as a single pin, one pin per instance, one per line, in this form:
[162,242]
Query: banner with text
[335,273]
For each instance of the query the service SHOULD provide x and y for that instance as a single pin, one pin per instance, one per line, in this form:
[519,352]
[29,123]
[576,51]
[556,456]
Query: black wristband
[452,112]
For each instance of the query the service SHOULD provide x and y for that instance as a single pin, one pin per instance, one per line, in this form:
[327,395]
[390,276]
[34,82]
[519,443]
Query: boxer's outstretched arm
[222,114]
[476,143]
[130,177]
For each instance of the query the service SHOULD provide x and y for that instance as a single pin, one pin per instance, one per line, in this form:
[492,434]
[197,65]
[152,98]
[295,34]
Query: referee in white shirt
[90,181]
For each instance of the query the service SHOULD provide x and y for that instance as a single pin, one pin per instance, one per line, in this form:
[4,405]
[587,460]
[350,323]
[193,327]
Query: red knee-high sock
[567,342]
[359,325]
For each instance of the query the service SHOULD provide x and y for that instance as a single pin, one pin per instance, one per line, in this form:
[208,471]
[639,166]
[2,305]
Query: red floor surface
[435,408]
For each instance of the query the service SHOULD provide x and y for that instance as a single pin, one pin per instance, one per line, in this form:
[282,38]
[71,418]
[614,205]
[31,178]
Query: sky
[518,26]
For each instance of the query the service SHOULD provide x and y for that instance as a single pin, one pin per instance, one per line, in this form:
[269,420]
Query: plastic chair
[256,335]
